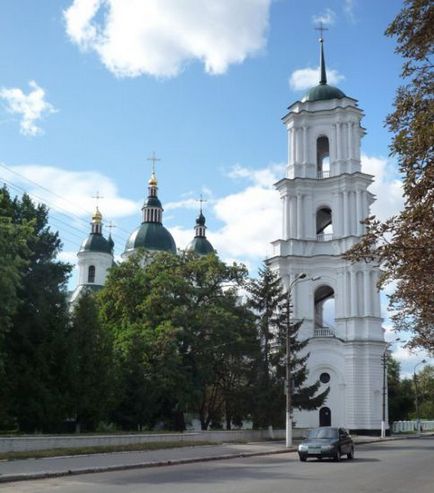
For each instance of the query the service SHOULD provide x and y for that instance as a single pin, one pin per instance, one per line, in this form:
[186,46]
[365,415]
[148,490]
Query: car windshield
[323,433]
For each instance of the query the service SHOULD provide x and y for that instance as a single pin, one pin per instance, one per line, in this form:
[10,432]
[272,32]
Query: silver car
[328,442]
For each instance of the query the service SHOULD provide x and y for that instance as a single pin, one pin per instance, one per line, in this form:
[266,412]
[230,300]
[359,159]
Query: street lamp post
[288,420]
[416,396]
[383,420]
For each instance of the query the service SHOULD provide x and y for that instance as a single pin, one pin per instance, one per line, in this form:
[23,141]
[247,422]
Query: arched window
[324,224]
[323,157]
[324,311]
[91,274]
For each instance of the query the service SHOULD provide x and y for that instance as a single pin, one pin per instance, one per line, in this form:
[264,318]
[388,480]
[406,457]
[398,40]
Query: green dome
[200,245]
[322,92]
[153,202]
[151,236]
[96,242]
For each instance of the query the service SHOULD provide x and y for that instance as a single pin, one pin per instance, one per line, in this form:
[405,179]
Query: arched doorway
[325,416]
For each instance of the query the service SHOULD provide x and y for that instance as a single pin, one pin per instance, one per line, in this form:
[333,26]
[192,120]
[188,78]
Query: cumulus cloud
[327,18]
[158,37]
[387,187]
[305,78]
[32,107]
[70,192]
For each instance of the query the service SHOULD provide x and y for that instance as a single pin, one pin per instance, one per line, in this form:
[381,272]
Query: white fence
[406,426]
[43,442]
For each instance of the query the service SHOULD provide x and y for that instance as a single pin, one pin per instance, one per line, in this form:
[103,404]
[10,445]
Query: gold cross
[154,159]
[97,197]
[201,200]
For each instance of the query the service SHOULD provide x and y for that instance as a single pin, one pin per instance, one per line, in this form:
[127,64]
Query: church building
[95,256]
[324,199]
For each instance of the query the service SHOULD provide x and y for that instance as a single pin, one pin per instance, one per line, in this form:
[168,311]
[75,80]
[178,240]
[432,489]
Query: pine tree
[272,307]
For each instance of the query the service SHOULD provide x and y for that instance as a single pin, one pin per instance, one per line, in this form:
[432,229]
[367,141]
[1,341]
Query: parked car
[326,441]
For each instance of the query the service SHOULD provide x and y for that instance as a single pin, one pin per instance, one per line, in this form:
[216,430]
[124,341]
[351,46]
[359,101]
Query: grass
[56,452]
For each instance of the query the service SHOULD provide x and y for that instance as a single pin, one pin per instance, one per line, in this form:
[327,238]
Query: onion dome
[200,244]
[323,91]
[151,234]
[96,242]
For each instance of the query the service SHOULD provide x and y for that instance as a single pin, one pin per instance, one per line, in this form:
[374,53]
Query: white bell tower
[324,198]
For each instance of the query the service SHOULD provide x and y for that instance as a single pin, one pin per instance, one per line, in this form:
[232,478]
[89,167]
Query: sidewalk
[81,464]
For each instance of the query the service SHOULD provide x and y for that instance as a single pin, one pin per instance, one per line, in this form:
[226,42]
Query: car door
[344,441]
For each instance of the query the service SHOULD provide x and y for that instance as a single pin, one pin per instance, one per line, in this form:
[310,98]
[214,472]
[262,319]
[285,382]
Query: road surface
[401,466]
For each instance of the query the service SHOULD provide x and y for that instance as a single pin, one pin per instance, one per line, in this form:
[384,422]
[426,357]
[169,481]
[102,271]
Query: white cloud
[158,37]
[327,18]
[349,9]
[305,78]
[32,107]
[70,192]
[386,187]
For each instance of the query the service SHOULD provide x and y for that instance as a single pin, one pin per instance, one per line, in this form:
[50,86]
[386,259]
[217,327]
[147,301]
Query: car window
[323,433]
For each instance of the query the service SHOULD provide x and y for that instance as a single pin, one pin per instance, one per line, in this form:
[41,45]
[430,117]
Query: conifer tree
[272,307]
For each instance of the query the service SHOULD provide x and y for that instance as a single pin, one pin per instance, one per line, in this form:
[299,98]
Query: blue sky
[90,88]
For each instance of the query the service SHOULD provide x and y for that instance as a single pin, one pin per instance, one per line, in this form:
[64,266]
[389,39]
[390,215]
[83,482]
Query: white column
[345,213]
[350,140]
[366,293]
[335,144]
[299,216]
[338,141]
[285,217]
[305,158]
[293,211]
[353,279]
[375,295]
[359,230]
[293,146]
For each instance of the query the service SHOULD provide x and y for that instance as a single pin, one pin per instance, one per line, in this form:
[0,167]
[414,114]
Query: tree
[192,338]
[400,393]
[90,374]
[36,344]
[13,253]
[426,392]
[272,307]
[404,244]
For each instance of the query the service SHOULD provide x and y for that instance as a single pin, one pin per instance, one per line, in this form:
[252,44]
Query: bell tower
[324,197]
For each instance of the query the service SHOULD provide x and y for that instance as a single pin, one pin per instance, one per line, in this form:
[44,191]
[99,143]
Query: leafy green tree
[400,393]
[426,392]
[35,346]
[90,374]
[13,253]
[403,244]
[272,307]
[186,306]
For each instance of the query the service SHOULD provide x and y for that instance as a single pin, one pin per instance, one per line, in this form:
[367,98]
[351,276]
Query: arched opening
[324,224]
[323,157]
[325,416]
[91,274]
[324,312]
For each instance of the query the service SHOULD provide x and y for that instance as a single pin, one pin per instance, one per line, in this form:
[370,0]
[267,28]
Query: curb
[9,478]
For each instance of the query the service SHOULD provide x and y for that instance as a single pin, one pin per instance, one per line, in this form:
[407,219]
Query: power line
[56,209]
[70,214]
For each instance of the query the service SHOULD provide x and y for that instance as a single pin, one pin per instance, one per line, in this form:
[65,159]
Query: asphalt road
[402,466]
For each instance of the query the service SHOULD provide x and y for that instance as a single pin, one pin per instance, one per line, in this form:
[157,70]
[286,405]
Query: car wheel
[350,455]
[303,458]
[337,456]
